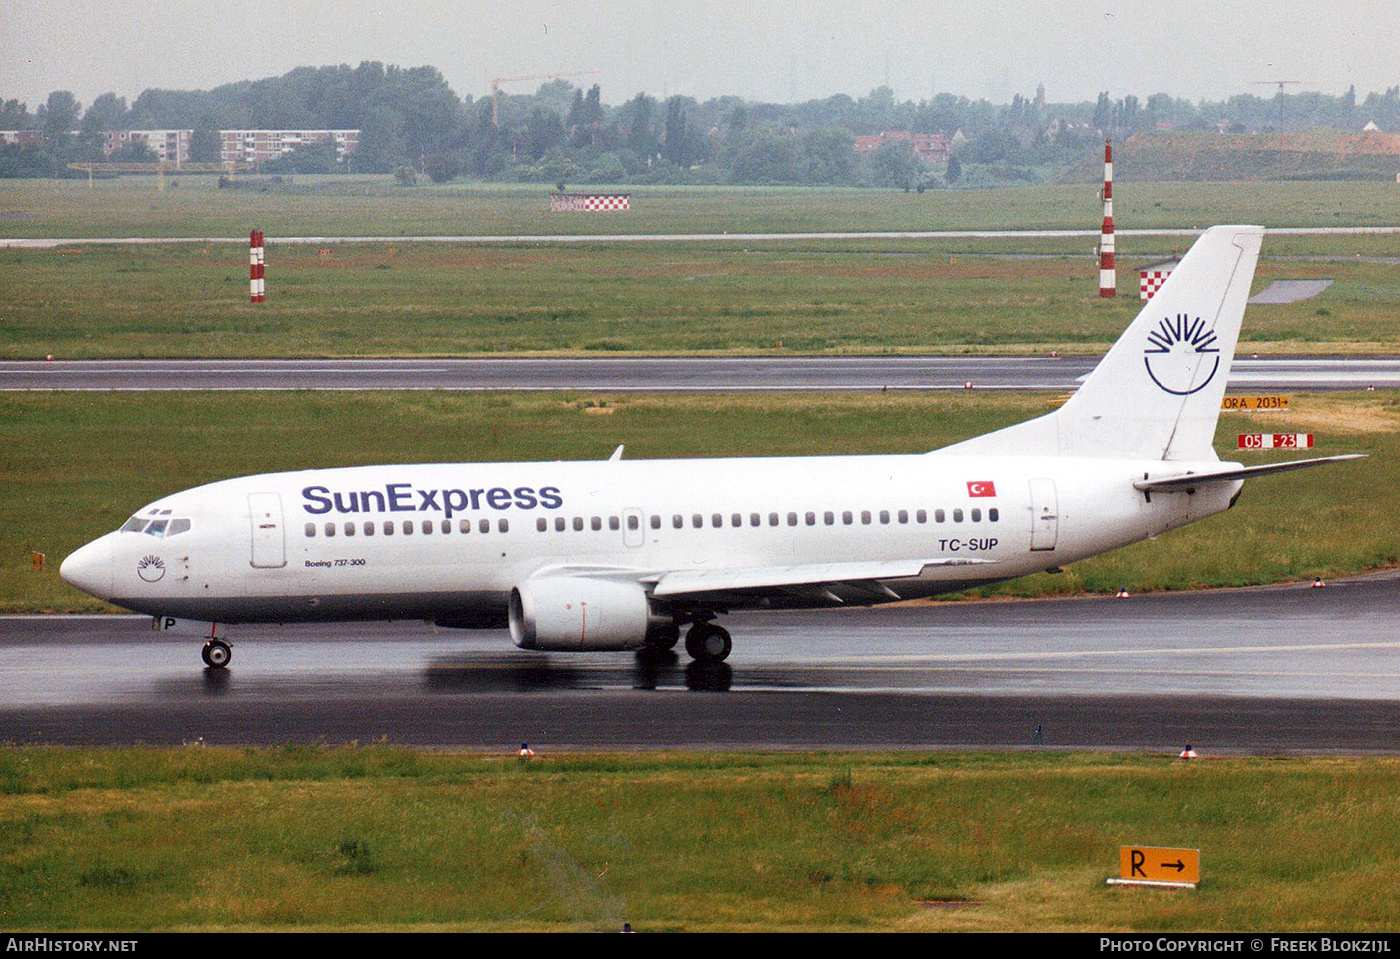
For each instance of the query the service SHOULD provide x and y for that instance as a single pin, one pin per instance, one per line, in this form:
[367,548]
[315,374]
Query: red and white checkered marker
[525,752]
[256,289]
[1275,441]
[589,202]
[1150,281]
[1187,753]
[1122,593]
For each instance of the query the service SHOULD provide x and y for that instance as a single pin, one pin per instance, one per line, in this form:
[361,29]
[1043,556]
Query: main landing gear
[216,654]
[708,643]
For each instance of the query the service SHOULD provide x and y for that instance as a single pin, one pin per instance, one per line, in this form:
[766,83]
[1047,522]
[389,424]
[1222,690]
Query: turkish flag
[982,488]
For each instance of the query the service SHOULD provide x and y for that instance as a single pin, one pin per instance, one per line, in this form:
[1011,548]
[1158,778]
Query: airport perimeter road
[662,374]
[1271,669]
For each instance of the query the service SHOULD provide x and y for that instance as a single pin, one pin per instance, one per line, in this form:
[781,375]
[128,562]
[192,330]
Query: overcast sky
[782,51]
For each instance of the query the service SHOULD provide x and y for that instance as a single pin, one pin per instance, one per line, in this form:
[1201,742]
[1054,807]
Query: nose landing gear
[216,654]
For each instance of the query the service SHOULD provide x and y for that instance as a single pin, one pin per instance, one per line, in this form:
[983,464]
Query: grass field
[345,206]
[391,839]
[434,299]
[76,465]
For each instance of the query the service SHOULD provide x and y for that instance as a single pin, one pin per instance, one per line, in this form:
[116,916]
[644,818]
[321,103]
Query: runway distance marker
[1158,866]
[1255,402]
[1275,441]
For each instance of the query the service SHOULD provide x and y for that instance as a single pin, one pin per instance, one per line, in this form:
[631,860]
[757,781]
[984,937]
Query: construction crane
[496,88]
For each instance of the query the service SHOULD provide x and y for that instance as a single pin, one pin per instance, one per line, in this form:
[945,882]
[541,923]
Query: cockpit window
[157,527]
[134,525]
[177,526]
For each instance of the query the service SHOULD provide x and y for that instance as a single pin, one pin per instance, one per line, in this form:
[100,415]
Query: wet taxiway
[1270,669]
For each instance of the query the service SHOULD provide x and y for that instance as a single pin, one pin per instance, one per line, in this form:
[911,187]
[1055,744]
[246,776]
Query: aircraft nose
[89,568]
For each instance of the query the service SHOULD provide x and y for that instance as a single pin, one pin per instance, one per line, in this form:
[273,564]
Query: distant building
[259,146]
[167,146]
[22,138]
[928,147]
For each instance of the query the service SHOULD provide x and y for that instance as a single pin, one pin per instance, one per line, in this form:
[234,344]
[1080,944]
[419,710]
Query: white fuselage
[449,541]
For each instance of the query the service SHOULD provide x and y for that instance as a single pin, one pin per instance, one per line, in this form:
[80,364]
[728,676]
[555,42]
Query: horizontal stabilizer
[688,581]
[1187,480]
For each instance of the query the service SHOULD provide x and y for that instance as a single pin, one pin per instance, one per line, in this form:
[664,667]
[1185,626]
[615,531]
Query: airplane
[625,554]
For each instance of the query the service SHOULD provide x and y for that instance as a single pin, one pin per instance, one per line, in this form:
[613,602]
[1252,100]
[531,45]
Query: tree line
[412,122]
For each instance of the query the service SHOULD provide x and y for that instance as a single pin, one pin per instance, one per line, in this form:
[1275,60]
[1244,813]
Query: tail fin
[1157,393]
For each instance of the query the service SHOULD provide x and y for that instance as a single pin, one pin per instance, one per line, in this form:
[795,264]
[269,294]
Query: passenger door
[269,539]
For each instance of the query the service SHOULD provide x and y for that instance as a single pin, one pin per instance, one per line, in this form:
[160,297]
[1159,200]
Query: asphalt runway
[660,374]
[1265,670]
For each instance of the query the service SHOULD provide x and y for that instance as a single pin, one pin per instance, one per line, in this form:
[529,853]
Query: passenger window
[884,516]
[559,524]
[484,525]
[938,516]
[904,516]
[310,529]
[427,526]
[957,516]
[736,520]
[847,518]
[614,523]
[408,527]
[503,525]
[811,518]
[388,527]
[633,522]
[541,524]
[921,516]
[447,526]
[330,529]
[655,520]
[716,520]
[349,529]
[755,519]
[993,515]
[369,527]
[792,519]
[977,515]
[596,523]
[829,518]
[697,520]
[865,517]
[676,521]
[464,526]
[772,519]
[578,524]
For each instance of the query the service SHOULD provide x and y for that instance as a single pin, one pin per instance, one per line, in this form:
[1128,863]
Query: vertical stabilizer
[1157,392]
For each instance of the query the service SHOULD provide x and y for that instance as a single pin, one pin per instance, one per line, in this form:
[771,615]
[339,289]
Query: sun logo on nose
[1177,352]
[151,569]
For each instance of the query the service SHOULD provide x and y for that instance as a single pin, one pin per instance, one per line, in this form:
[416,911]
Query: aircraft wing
[1187,480]
[806,577]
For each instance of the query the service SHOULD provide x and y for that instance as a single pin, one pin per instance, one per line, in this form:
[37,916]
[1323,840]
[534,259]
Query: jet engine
[579,613]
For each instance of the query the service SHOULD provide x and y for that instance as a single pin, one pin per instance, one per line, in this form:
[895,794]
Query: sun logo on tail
[1175,355]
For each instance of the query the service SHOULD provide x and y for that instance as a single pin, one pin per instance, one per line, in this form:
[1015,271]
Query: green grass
[340,206]
[435,299]
[386,838]
[74,466]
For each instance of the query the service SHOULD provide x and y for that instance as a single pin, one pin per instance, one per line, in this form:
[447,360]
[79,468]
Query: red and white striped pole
[256,290]
[1108,274]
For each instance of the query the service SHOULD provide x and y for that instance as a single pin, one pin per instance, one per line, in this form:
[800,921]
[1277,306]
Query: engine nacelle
[579,613]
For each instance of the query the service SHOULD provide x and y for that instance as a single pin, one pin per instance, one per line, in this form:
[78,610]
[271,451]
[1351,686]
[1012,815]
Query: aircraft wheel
[216,654]
[708,643]
[664,638]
